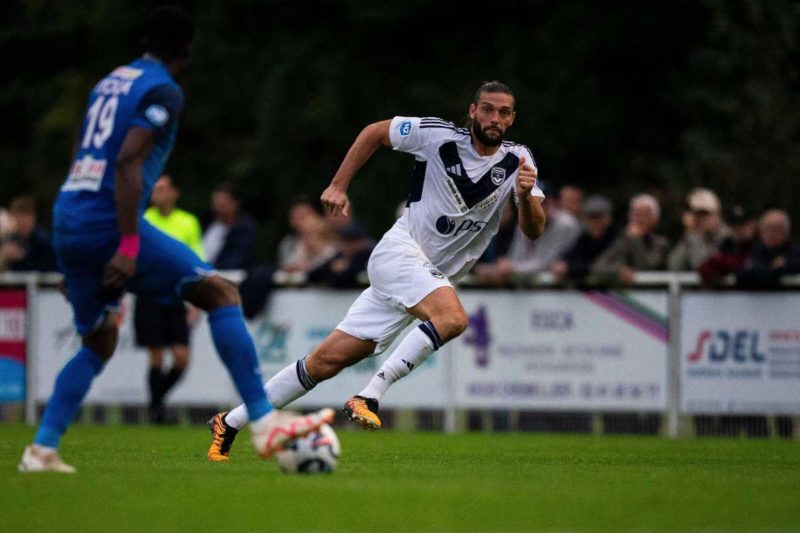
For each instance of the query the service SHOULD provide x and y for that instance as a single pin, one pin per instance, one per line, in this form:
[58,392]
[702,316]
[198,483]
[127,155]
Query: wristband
[129,245]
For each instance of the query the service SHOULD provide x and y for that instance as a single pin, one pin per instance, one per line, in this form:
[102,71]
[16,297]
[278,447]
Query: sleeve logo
[405,128]
[157,115]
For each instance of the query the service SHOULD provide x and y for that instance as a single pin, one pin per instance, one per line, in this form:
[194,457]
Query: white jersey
[457,196]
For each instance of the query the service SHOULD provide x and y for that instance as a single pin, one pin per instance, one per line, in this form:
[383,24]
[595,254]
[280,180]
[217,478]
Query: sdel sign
[739,346]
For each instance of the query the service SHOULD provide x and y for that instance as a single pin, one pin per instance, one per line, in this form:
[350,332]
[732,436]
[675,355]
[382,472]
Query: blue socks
[72,384]
[233,343]
[235,347]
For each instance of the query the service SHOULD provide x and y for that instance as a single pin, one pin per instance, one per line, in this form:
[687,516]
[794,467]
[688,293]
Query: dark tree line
[619,97]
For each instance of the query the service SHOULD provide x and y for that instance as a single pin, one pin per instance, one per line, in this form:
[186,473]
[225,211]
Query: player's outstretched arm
[531,213]
[127,195]
[334,198]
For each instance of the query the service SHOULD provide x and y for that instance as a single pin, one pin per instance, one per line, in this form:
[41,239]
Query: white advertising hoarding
[740,353]
[124,378]
[563,350]
[523,350]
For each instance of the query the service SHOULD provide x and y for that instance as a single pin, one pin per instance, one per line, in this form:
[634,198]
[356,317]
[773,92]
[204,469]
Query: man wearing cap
[704,234]
[598,233]
[735,250]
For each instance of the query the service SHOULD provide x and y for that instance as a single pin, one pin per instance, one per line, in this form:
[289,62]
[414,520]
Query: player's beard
[485,139]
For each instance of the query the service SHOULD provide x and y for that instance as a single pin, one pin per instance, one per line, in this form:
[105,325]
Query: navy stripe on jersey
[509,144]
[433,122]
[462,131]
[442,127]
[417,182]
[474,192]
[434,119]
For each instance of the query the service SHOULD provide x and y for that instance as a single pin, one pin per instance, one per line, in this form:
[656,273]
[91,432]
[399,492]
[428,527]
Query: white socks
[282,389]
[293,381]
[412,351]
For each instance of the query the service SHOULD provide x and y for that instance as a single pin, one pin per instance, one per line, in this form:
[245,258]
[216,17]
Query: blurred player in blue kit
[104,246]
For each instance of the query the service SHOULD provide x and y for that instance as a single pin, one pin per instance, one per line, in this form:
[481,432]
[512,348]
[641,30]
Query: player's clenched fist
[334,201]
[526,178]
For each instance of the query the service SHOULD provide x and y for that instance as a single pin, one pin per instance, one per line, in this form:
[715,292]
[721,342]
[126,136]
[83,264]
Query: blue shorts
[165,267]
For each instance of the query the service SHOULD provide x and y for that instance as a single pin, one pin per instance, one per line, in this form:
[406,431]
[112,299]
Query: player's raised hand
[526,178]
[118,270]
[334,201]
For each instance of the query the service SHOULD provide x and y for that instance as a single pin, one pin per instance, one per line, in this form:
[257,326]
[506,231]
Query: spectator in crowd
[598,233]
[734,250]
[704,232]
[526,257]
[570,198]
[300,209]
[774,254]
[341,224]
[230,237]
[162,326]
[317,246]
[639,247]
[24,244]
[344,269]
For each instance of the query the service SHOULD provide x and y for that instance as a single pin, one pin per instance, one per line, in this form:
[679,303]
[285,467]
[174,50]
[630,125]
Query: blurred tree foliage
[619,97]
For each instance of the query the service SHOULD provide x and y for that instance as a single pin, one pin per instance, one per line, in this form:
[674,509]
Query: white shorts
[400,277]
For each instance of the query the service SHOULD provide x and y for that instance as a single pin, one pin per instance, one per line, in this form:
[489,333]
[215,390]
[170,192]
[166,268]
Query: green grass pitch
[157,479]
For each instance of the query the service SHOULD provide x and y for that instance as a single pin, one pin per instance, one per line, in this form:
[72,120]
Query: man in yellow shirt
[160,326]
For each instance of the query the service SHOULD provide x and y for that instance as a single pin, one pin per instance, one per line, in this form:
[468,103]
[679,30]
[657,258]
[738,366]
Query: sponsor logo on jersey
[462,205]
[447,225]
[157,115]
[86,174]
[127,73]
[487,203]
[455,169]
[405,128]
[498,175]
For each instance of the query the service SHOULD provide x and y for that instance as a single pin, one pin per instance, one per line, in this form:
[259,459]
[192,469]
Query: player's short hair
[494,86]
[169,32]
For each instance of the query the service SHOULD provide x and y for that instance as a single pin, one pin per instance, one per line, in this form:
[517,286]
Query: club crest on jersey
[436,273]
[498,175]
[405,128]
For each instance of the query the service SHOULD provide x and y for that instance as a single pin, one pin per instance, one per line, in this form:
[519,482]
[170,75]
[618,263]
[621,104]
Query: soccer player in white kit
[462,180]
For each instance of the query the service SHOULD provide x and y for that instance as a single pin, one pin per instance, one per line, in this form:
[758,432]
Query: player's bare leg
[72,385]
[338,351]
[443,318]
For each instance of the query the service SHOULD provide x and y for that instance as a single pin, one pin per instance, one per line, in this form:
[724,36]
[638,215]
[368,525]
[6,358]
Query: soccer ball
[316,453]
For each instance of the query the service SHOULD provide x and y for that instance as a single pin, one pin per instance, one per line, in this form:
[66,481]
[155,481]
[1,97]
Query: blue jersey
[141,94]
